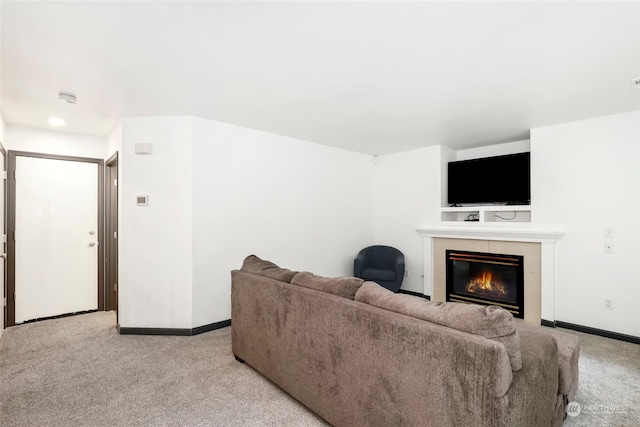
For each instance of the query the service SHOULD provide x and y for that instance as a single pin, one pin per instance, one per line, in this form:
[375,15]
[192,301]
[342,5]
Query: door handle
[3,256]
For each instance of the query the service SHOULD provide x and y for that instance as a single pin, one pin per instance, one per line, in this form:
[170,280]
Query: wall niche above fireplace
[487,279]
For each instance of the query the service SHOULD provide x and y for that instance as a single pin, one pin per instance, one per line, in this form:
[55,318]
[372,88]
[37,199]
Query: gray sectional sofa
[359,355]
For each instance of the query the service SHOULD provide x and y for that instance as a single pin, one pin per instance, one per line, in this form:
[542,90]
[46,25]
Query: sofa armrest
[568,355]
[535,386]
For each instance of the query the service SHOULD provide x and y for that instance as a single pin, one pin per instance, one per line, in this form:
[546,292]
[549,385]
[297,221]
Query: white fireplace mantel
[546,236]
[510,233]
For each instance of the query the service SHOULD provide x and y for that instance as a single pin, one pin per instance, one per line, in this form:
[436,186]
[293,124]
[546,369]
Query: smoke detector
[69,98]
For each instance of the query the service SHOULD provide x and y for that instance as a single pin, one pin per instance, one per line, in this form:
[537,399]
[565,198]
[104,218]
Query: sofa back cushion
[493,322]
[345,287]
[253,264]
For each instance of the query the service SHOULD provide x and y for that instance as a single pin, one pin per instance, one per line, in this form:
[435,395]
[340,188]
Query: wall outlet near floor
[406,273]
[608,304]
[608,246]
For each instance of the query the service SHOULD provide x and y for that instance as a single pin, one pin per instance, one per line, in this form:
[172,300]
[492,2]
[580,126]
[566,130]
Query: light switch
[142,200]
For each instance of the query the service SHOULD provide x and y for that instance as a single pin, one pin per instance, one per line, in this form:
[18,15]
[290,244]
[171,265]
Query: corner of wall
[114,140]
[446,155]
[2,126]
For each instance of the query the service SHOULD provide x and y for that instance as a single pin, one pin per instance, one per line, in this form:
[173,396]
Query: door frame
[111,241]
[4,242]
[10,262]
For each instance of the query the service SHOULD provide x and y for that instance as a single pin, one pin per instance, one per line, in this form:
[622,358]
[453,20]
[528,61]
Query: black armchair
[381,264]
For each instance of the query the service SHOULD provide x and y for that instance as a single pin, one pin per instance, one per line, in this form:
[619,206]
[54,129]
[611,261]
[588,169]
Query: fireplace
[488,279]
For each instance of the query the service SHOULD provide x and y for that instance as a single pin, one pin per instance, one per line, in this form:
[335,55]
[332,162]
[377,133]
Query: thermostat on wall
[142,200]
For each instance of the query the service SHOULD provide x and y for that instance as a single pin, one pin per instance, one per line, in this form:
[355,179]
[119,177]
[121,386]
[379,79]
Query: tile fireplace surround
[535,244]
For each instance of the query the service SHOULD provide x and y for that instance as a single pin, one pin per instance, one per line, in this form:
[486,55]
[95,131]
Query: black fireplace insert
[488,279]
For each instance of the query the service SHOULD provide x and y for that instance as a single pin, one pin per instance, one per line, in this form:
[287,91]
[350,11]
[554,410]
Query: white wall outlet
[406,273]
[608,246]
[608,304]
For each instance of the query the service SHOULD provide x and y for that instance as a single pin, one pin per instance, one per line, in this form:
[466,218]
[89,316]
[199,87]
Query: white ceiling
[372,77]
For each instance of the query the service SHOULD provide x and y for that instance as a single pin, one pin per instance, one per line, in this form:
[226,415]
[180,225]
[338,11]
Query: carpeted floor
[609,387]
[78,371]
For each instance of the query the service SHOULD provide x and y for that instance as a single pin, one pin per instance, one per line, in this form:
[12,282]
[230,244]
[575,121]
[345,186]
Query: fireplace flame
[484,285]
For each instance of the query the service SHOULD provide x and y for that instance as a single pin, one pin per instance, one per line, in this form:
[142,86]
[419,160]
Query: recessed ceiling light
[56,121]
[67,97]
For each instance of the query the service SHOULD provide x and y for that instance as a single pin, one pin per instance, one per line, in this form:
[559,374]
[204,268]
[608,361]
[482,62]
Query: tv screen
[499,179]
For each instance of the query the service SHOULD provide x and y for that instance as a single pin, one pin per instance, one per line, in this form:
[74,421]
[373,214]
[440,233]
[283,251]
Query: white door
[56,237]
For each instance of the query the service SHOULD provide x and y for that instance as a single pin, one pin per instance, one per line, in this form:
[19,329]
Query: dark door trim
[3,246]
[10,264]
[111,233]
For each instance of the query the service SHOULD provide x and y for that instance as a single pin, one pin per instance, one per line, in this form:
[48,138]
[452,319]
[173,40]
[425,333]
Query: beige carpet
[77,371]
[609,388]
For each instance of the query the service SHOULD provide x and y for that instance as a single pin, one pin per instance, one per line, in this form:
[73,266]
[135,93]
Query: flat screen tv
[499,179]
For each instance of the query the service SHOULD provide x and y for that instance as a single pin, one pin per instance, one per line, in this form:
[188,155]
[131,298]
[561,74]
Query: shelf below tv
[487,214]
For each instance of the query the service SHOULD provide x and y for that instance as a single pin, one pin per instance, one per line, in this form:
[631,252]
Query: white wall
[155,241]
[301,205]
[408,195]
[49,142]
[218,193]
[585,177]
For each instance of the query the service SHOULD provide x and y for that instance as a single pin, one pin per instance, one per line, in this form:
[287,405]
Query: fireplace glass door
[489,279]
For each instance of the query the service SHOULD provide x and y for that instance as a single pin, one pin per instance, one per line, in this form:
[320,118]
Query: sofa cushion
[253,264]
[345,287]
[491,322]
